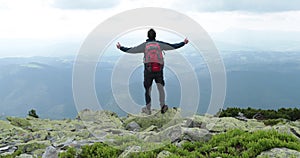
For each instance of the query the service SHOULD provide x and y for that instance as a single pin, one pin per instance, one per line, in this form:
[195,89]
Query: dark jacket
[141,48]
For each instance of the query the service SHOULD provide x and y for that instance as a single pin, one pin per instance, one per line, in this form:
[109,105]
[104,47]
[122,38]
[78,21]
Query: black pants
[159,80]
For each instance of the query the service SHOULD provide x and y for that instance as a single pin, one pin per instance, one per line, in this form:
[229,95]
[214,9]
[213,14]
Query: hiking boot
[146,111]
[164,109]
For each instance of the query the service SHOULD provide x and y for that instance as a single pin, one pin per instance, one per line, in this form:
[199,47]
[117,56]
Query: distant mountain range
[267,80]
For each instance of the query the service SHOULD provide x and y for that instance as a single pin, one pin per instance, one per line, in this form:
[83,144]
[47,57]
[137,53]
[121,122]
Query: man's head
[151,34]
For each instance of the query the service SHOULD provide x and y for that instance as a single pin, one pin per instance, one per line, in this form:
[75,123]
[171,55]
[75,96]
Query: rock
[179,144]
[4,149]
[171,134]
[32,146]
[115,131]
[19,122]
[280,153]
[101,119]
[164,154]
[12,149]
[62,143]
[196,134]
[295,132]
[151,128]
[24,156]
[130,149]
[50,152]
[241,117]
[133,126]
[223,124]
[8,149]
[170,118]
[191,124]
[258,116]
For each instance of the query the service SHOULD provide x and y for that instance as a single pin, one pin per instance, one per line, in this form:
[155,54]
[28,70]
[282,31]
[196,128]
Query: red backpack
[153,56]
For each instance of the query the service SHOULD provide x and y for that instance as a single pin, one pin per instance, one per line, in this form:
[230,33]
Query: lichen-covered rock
[7,149]
[133,126]
[32,136]
[151,128]
[31,146]
[170,118]
[280,153]
[215,124]
[285,128]
[24,156]
[131,149]
[19,122]
[102,119]
[191,123]
[50,152]
[196,134]
[171,134]
[296,124]
[164,154]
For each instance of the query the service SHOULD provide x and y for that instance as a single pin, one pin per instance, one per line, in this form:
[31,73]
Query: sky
[58,27]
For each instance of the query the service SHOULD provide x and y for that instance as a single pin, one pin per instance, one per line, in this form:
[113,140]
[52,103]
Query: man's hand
[118,45]
[186,41]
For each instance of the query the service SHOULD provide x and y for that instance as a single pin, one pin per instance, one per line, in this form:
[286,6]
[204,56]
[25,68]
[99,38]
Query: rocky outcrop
[37,137]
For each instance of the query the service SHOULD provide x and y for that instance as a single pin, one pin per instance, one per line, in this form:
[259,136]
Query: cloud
[84,4]
[240,5]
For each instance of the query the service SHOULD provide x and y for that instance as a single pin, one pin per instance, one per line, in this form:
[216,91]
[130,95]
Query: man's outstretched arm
[138,49]
[168,46]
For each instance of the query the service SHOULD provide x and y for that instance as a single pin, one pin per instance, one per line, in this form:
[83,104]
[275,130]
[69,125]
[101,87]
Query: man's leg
[148,97]
[160,83]
[161,91]
[147,85]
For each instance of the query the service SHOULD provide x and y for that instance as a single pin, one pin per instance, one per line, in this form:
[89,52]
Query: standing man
[154,64]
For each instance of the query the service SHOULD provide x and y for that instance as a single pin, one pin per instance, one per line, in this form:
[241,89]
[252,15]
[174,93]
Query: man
[154,64]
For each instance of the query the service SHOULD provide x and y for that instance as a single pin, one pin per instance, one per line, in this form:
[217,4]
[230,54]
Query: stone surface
[164,154]
[50,152]
[130,149]
[151,128]
[19,122]
[196,134]
[215,124]
[280,153]
[171,134]
[24,156]
[34,135]
[133,126]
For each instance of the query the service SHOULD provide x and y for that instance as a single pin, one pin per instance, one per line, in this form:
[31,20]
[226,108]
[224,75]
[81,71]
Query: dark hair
[151,34]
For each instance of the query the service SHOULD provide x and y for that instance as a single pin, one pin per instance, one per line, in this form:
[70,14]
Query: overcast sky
[58,27]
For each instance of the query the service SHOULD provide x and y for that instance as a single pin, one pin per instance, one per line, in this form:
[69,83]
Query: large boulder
[280,153]
[101,119]
[161,121]
[223,124]
[196,134]
[170,134]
